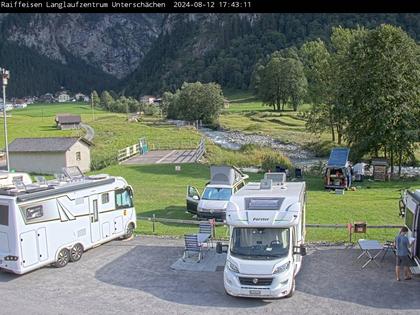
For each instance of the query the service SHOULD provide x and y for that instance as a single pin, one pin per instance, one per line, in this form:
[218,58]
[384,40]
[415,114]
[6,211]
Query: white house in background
[80,97]
[20,103]
[148,99]
[49,155]
[9,106]
[63,97]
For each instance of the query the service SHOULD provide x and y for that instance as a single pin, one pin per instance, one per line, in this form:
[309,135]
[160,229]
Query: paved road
[90,132]
[135,277]
[163,157]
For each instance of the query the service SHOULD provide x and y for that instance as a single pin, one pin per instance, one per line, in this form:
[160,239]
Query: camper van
[338,174]
[267,233]
[54,222]
[412,222]
[225,181]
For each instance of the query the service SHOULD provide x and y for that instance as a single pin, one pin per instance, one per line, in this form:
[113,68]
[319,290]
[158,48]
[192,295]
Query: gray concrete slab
[210,262]
[163,157]
[135,277]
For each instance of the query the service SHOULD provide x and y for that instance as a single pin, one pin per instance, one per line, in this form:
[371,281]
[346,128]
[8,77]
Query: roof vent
[73,172]
[98,176]
[277,178]
[266,184]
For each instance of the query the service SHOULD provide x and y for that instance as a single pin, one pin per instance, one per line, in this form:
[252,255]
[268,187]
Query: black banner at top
[204,6]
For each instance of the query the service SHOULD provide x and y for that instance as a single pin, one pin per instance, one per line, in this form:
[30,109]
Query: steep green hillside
[225,48]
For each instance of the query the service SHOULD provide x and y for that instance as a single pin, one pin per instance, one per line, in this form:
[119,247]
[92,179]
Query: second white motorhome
[267,234]
[56,221]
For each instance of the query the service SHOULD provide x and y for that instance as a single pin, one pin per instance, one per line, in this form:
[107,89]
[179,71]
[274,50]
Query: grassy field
[160,190]
[112,131]
[247,114]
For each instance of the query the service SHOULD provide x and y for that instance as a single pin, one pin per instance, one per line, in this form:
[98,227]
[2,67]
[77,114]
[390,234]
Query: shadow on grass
[172,212]
[283,123]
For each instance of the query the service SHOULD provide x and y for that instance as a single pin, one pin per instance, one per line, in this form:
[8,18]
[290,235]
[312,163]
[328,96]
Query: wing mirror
[195,197]
[299,250]
[220,248]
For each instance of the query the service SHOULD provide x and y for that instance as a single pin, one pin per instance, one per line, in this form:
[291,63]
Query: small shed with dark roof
[68,121]
[49,155]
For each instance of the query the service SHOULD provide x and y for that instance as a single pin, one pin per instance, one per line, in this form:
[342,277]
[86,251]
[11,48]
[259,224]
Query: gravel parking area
[135,277]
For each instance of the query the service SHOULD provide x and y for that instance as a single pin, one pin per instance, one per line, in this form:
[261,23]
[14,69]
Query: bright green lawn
[112,131]
[159,190]
[286,127]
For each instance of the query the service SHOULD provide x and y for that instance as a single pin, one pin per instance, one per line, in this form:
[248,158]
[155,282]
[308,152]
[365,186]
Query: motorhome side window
[4,215]
[34,213]
[123,199]
[105,198]
[409,219]
[47,211]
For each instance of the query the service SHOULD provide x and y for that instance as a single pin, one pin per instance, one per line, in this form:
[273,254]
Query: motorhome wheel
[76,252]
[63,258]
[129,232]
[292,290]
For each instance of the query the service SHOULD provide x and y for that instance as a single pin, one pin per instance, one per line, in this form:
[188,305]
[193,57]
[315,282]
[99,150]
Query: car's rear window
[4,215]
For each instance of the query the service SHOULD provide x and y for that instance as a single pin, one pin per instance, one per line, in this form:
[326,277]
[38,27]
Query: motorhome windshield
[214,193]
[260,243]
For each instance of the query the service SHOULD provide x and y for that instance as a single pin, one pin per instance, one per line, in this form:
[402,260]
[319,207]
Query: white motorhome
[225,181]
[267,233]
[412,222]
[54,222]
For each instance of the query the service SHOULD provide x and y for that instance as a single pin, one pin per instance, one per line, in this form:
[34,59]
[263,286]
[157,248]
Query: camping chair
[205,234]
[40,180]
[192,246]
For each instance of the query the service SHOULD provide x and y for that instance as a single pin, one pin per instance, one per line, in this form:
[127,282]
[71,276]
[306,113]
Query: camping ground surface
[135,277]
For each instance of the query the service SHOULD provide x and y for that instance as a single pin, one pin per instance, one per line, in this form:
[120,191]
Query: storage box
[360,227]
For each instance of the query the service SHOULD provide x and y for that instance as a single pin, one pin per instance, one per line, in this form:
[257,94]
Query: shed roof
[68,119]
[56,144]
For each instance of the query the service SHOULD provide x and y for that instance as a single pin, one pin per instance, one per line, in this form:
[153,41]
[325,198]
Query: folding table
[367,246]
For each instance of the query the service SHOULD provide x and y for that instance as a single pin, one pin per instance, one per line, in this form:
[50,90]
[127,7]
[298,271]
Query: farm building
[67,121]
[49,155]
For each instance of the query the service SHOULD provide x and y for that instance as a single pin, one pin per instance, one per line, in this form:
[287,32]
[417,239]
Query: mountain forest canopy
[168,49]
[226,48]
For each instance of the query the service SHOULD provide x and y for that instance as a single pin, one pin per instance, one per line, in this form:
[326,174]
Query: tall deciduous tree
[281,81]
[95,99]
[384,93]
[106,100]
[196,101]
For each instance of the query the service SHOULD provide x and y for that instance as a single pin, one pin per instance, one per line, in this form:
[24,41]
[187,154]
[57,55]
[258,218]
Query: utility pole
[93,107]
[5,74]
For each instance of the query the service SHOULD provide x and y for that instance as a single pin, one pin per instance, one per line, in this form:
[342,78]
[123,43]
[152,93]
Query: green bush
[249,155]
[272,159]
[320,148]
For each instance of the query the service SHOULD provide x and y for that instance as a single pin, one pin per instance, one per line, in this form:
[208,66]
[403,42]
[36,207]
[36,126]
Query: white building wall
[71,154]
[38,162]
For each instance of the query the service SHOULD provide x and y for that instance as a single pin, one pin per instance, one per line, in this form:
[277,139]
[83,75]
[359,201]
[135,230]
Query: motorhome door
[193,198]
[95,229]
[412,221]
